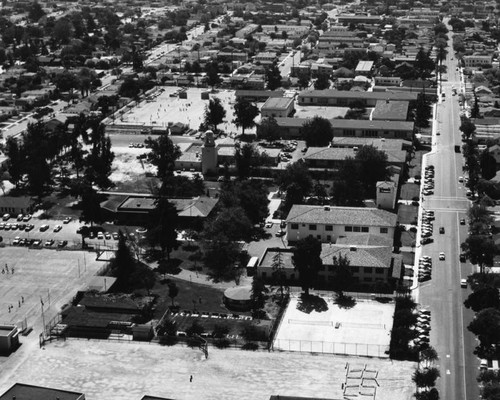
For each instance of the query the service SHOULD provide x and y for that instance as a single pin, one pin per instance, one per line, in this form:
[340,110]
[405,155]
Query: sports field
[363,330]
[41,275]
[121,371]
[162,109]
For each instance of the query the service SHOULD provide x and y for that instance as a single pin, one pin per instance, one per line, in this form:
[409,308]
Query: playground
[324,327]
[165,106]
[128,371]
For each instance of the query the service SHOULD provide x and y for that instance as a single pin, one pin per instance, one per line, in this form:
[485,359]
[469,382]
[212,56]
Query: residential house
[327,223]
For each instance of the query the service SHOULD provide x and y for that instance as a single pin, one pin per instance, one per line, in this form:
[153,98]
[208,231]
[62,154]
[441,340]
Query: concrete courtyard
[163,109]
[363,330]
[121,371]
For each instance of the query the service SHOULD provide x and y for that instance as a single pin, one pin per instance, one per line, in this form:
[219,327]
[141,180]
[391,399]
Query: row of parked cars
[18,241]
[429,180]
[424,268]
[20,217]
[423,328]
[427,227]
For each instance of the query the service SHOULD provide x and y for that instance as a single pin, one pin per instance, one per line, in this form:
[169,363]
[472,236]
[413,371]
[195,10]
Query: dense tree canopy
[306,260]
[317,132]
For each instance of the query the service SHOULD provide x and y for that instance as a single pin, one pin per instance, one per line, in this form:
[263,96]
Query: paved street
[443,294]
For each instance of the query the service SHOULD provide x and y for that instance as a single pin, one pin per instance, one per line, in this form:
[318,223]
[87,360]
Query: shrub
[168,340]
[195,329]
[222,343]
[220,330]
[251,332]
[250,346]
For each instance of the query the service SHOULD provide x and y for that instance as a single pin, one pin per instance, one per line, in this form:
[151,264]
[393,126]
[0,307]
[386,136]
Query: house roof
[15,202]
[197,207]
[355,216]
[21,391]
[365,240]
[359,256]
[277,103]
[387,95]
[364,66]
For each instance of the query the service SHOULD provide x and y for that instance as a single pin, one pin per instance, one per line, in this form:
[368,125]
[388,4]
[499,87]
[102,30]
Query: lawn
[407,214]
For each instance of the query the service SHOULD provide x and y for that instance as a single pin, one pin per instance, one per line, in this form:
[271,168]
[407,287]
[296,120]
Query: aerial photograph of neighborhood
[271,200]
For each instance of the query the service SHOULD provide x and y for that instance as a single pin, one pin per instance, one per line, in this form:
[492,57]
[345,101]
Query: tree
[250,195]
[306,259]
[423,111]
[467,128]
[424,64]
[296,182]
[212,71]
[488,165]
[278,268]
[220,256]
[257,296]
[425,378]
[342,274]
[479,249]
[483,297]
[273,76]
[163,155]
[122,265]
[63,30]
[245,114]
[173,291]
[268,129]
[91,205]
[322,82]
[162,226]
[486,326]
[15,160]
[428,356]
[100,160]
[35,12]
[214,113]
[304,80]
[317,132]
[373,167]
[232,223]
[347,189]
[245,159]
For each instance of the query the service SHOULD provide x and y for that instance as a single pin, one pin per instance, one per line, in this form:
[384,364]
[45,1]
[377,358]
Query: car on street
[280,233]
[426,240]
[461,179]
[462,257]
[462,221]
[441,230]
[57,228]
[269,224]
[463,283]
[442,256]
[44,227]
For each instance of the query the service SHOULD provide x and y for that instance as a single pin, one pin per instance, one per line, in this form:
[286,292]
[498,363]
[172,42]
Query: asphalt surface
[443,294]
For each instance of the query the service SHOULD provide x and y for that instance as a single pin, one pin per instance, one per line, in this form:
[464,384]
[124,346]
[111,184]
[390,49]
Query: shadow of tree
[309,303]
[346,302]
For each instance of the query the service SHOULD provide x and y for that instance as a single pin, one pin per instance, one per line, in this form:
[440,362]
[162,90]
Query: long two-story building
[327,223]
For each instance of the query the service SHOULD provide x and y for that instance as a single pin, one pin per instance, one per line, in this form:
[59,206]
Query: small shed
[238,298]
[9,339]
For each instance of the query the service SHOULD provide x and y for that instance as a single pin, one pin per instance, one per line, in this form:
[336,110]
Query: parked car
[462,221]
[44,227]
[27,217]
[49,242]
[107,236]
[62,243]
[100,236]
[16,240]
[20,217]
[280,233]
[462,257]
[115,235]
[463,283]
[66,220]
[442,256]
[441,230]
[6,217]
[57,228]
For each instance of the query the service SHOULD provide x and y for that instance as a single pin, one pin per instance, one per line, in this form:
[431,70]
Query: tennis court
[363,330]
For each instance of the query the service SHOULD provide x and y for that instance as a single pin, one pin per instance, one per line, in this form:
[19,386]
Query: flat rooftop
[20,391]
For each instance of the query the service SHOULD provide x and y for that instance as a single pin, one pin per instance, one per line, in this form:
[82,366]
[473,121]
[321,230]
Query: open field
[51,275]
[107,370]
[363,330]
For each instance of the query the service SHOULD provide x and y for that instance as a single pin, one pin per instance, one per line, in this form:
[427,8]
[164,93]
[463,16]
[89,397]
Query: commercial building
[341,98]
[278,107]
